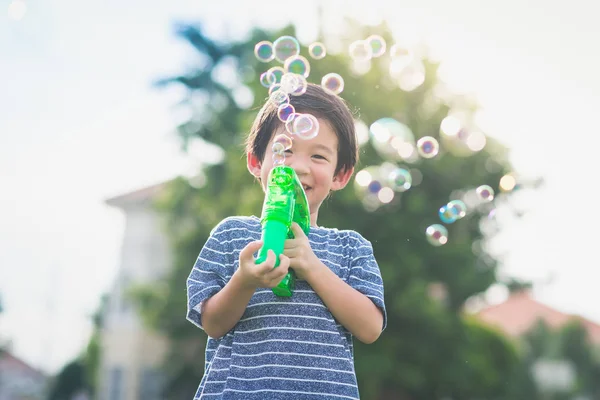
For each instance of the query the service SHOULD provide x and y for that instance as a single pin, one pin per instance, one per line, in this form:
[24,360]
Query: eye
[320,157]
[288,151]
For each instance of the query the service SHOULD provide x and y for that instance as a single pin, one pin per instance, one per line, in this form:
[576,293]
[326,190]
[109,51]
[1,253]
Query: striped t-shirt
[288,348]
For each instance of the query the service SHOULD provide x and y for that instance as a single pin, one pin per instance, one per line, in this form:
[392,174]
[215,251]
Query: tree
[430,349]
[81,374]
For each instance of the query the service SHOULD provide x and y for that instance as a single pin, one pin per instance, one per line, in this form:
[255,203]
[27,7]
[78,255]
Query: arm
[221,312]
[355,311]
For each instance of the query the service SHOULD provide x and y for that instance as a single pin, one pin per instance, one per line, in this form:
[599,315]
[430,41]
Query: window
[115,384]
[151,384]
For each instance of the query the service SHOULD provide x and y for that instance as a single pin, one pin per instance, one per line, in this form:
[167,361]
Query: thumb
[251,248]
[297,230]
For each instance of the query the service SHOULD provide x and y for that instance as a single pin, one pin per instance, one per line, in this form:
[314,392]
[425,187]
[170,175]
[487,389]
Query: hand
[262,275]
[301,256]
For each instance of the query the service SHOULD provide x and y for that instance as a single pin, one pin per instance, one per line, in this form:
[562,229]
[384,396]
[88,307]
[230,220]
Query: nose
[299,164]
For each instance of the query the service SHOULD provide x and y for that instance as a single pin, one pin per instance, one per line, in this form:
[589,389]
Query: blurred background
[121,129]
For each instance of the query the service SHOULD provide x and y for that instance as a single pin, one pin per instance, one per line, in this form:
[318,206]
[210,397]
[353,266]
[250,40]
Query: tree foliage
[430,349]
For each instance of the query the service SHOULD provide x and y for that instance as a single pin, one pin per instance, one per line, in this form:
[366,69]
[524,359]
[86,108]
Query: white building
[131,355]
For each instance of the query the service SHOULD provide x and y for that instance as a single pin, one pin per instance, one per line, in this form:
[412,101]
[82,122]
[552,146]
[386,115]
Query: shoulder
[236,226]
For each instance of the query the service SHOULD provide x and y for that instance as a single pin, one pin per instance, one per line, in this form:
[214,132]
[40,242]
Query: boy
[266,347]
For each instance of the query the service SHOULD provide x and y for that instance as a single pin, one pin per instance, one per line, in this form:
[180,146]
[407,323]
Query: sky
[80,122]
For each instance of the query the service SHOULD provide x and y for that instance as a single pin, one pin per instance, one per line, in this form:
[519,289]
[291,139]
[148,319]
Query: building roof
[520,312]
[9,362]
[138,196]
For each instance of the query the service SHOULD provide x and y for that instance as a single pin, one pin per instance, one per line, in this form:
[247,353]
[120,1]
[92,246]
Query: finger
[275,276]
[297,230]
[291,252]
[268,264]
[251,248]
[290,244]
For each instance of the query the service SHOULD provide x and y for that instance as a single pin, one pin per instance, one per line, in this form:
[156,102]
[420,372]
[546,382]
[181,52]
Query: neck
[313,218]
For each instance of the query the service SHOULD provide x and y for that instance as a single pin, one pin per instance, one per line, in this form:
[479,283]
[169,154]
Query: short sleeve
[364,273]
[212,270]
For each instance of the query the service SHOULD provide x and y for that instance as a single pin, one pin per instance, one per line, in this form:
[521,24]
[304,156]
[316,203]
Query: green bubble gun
[285,201]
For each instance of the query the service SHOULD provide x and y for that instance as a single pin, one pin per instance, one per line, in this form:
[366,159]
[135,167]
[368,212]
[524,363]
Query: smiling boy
[265,347]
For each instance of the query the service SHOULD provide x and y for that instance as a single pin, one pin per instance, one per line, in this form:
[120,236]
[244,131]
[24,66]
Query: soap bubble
[285,47]
[459,208]
[265,79]
[377,44]
[274,88]
[306,126]
[289,124]
[317,50]
[360,50]
[399,180]
[391,138]
[332,83]
[437,235]
[284,111]
[401,55]
[279,97]
[428,147]
[278,159]
[264,51]
[446,214]
[274,75]
[485,193]
[297,65]
[283,142]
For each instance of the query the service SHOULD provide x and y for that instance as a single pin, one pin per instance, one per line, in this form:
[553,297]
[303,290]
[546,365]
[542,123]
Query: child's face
[314,161]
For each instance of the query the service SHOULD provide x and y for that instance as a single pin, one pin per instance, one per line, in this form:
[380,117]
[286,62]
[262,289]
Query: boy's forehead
[326,137]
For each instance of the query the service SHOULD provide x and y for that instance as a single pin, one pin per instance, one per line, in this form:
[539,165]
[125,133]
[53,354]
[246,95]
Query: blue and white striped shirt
[282,347]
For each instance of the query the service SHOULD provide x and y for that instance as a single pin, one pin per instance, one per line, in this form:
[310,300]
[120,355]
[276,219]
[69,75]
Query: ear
[254,165]
[341,179]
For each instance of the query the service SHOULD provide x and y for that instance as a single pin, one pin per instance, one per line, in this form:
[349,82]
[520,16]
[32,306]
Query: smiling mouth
[306,187]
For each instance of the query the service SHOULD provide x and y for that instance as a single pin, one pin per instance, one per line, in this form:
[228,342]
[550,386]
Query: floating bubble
[401,54]
[274,75]
[447,214]
[400,180]
[285,47]
[410,76]
[391,138]
[265,80]
[284,111]
[428,147]
[385,195]
[371,185]
[297,65]
[485,193]
[377,44]
[317,50]
[273,88]
[360,50]
[277,148]
[302,86]
[279,97]
[289,124]
[278,158]
[264,51]
[283,142]
[437,235]
[289,82]
[458,207]
[332,83]
[306,126]
[374,186]
[507,183]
